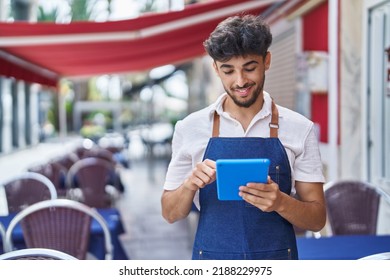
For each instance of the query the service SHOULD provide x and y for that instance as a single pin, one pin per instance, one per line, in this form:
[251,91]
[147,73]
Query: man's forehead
[240,61]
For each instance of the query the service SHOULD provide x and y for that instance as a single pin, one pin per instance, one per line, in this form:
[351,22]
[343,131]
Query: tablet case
[233,173]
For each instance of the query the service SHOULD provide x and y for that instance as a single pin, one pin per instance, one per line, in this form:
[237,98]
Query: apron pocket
[283,254]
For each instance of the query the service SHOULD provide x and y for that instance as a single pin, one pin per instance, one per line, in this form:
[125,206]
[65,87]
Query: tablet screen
[233,173]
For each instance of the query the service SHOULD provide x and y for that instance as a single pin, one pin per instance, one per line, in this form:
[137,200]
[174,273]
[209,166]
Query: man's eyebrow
[250,63]
[245,64]
[226,66]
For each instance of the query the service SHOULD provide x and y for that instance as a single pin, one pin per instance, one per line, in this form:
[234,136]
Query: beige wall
[350,88]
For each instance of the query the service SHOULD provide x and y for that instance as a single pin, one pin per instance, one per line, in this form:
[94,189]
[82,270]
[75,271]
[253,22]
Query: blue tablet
[233,173]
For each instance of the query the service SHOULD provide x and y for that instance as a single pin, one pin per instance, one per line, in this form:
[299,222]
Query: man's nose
[241,80]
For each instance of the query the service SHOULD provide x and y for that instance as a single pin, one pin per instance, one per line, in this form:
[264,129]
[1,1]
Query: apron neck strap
[216,125]
[273,125]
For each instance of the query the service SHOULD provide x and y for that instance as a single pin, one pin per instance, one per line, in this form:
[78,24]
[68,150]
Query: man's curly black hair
[239,36]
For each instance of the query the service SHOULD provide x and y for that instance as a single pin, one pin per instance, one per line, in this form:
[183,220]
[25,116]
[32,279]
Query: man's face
[243,77]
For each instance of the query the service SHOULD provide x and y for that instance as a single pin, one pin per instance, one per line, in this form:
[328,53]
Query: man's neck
[242,114]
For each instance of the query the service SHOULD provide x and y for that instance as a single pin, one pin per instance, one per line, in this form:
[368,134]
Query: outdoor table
[342,247]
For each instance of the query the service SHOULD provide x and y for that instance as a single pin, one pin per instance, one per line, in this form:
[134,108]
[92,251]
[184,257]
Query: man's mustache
[243,87]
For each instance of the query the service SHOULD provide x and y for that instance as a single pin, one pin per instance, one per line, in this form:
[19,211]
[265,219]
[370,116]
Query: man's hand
[202,175]
[266,197]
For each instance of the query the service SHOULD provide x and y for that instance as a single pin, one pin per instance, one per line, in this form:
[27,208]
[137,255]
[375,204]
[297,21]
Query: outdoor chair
[2,237]
[97,152]
[27,188]
[106,154]
[36,254]
[352,207]
[67,160]
[95,178]
[59,224]
[55,172]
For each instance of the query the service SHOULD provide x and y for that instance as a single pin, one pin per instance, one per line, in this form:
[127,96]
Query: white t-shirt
[296,133]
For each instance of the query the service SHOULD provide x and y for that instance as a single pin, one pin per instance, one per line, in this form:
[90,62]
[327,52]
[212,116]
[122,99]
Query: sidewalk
[18,161]
[149,236]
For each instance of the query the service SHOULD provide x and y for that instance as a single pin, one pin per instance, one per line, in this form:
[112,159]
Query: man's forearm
[176,204]
[309,212]
[308,215]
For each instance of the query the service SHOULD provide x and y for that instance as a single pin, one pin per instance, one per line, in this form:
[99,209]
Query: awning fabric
[46,52]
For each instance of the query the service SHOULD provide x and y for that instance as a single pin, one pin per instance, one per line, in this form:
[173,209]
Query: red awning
[46,52]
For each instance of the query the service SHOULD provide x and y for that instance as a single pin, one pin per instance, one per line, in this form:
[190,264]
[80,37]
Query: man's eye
[228,72]
[250,70]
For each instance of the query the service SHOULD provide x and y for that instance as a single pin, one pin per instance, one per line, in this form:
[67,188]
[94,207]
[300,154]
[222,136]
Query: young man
[245,123]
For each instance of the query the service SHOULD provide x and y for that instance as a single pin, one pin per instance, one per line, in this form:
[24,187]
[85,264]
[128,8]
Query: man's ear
[267,62]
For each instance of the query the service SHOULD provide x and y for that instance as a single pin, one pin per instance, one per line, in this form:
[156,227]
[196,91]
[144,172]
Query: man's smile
[243,92]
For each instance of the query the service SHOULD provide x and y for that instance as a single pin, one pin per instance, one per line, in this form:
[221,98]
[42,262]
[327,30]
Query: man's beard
[246,103]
